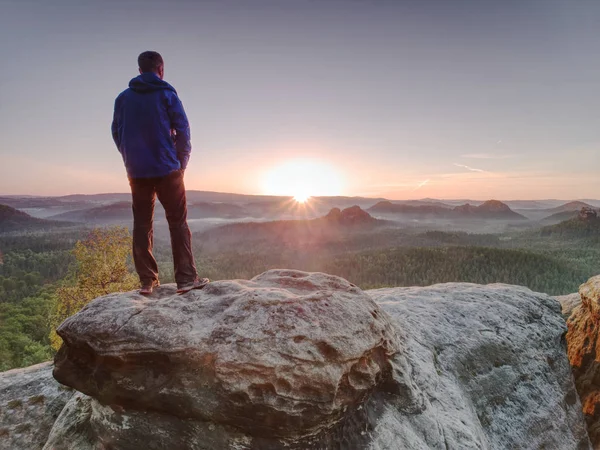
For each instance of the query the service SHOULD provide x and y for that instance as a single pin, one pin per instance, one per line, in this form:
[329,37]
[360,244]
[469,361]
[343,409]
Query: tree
[101,267]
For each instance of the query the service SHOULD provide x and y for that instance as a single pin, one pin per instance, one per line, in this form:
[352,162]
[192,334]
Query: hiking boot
[148,287]
[198,283]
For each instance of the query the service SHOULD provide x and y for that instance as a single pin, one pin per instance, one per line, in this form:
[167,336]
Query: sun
[302,179]
[301,198]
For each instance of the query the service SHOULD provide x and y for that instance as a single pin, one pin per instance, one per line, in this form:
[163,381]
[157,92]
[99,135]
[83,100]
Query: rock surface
[491,361]
[583,340]
[459,366]
[30,402]
[85,424]
[285,354]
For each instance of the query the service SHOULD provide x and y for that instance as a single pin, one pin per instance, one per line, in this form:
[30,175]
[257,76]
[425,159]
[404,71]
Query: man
[152,133]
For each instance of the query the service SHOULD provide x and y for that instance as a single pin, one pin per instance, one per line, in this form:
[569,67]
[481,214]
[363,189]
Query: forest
[47,275]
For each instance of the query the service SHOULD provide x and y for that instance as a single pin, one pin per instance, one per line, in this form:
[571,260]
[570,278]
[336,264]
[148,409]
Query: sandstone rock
[30,402]
[353,215]
[452,366]
[85,424]
[583,340]
[285,354]
[492,365]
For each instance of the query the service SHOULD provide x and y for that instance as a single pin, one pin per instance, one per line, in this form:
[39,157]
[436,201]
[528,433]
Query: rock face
[285,354]
[583,340]
[353,215]
[491,362]
[308,361]
[30,402]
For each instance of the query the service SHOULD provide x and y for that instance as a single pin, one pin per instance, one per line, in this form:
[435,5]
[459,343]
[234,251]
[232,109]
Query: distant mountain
[565,212]
[95,198]
[532,204]
[276,207]
[121,212]
[113,213]
[12,219]
[574,206]
[30,202]
[494,209]
[425,202]
[290,233]
[194,196]
[204,210]
[490,210]
[387,207]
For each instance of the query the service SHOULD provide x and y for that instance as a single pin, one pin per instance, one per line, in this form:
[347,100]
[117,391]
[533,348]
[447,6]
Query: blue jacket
[150,128]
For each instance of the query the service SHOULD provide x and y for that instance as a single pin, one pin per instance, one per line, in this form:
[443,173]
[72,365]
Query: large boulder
[451,366]
[285,354]
[30,402]
[584,353]
[491,361]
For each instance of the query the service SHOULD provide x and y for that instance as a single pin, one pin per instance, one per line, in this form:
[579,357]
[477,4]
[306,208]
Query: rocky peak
[353,215]
[494,206]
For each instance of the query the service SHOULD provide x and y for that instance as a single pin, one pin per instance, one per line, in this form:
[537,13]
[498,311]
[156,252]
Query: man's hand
[180,129]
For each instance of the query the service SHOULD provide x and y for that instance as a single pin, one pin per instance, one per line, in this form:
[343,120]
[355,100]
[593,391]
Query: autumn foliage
[101,267]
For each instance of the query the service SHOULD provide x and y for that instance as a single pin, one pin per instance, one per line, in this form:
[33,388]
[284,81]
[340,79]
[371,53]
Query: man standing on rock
[152,133]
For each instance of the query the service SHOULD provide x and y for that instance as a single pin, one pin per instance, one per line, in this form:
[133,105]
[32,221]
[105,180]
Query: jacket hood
[149,82]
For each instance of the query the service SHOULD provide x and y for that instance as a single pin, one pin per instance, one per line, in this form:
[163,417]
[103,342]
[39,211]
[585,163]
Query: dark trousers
[171,194]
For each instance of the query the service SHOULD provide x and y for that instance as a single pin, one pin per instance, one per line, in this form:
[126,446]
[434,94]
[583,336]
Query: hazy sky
[404,99]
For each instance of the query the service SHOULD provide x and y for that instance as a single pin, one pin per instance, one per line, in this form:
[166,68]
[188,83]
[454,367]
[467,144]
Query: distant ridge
[387,207]
[564,212]
[574,206]
[495,209]
[121,212]
[292,232]
[12,219]
[114,212]
[491,209]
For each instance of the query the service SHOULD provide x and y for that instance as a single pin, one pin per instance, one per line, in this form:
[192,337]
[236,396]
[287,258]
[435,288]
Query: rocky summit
[285,354]
[295,360]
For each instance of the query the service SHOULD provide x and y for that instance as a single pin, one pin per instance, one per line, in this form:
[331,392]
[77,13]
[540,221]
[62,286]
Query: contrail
[421,184]
[472,169]
[487,156]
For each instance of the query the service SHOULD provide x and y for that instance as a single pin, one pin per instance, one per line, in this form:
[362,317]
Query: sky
[394,98]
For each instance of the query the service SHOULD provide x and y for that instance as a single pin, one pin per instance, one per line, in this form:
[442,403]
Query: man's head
[151,62]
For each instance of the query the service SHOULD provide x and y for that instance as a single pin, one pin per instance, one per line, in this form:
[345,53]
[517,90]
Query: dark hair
[150,61]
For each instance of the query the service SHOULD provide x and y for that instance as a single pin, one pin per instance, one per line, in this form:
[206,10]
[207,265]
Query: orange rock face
[583,340]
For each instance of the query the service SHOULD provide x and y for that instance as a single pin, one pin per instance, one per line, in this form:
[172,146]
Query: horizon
[424,199]
[382,99]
